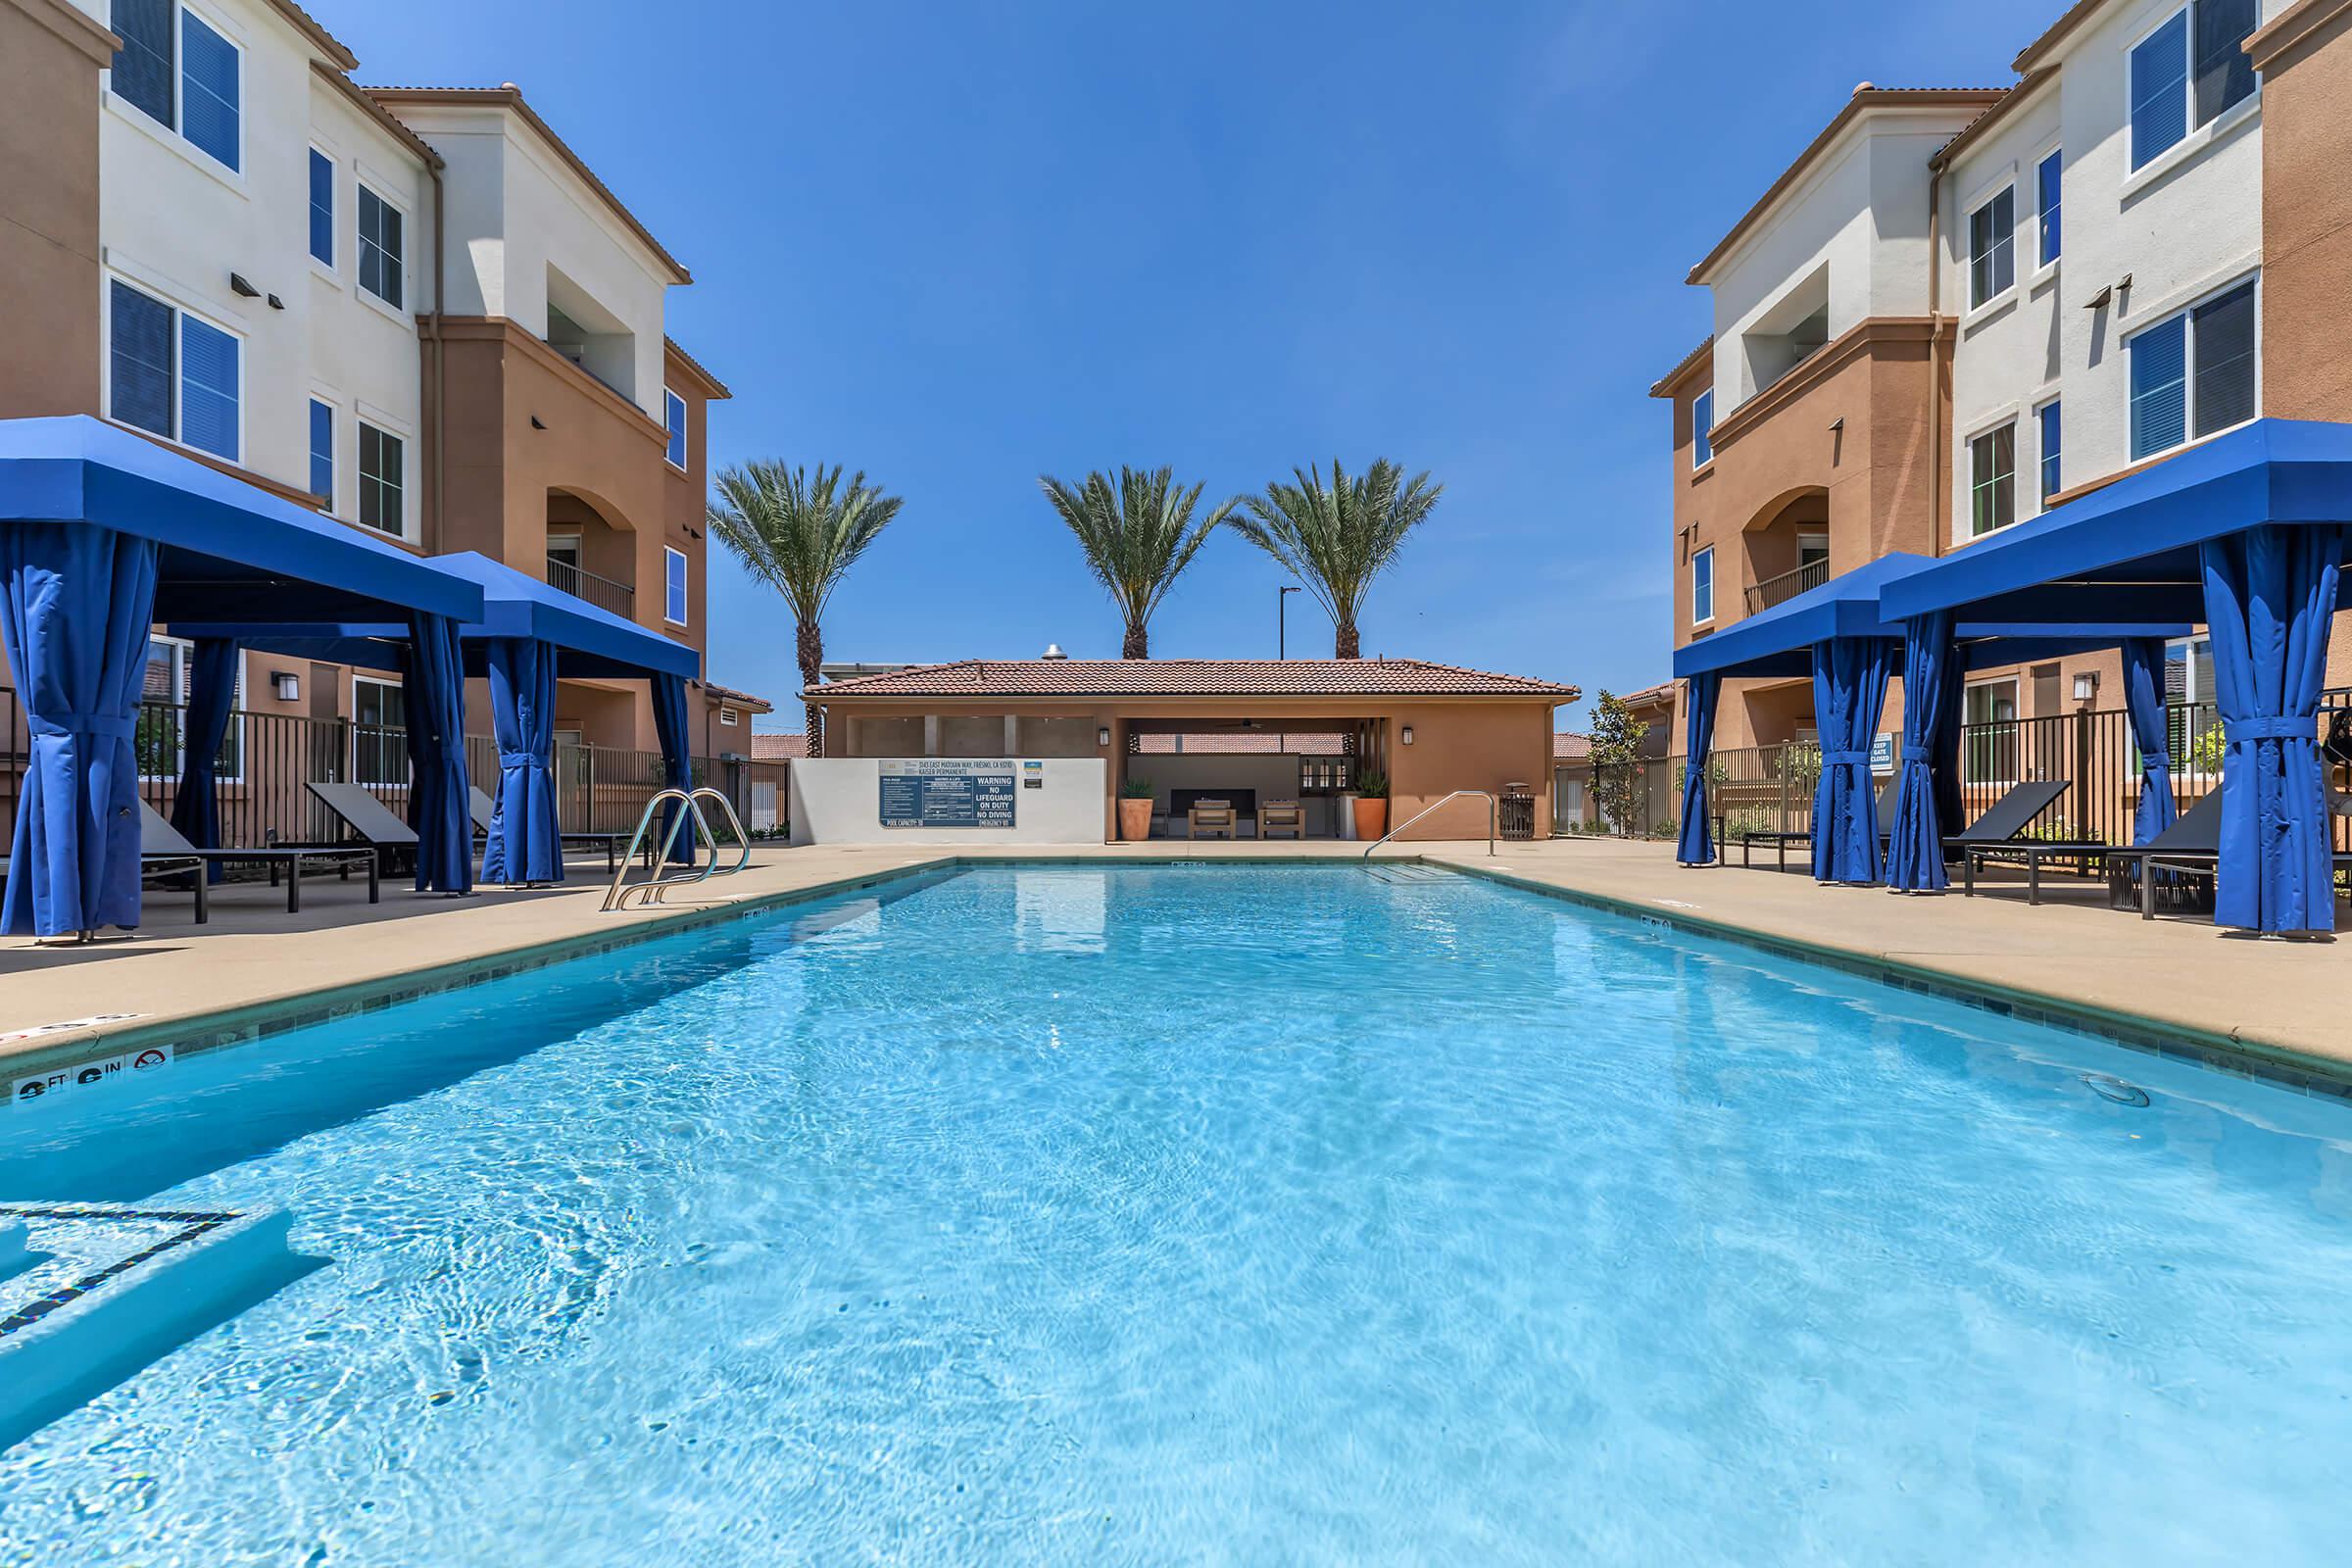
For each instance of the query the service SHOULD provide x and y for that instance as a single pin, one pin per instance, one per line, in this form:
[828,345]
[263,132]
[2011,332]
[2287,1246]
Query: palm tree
[1337,539]
[798,534]
[1137,538]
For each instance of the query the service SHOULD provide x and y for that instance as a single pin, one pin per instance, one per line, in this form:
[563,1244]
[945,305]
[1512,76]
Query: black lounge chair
[164,850]
[1783,841]
[1993,836]
[482,807]
[366,820]
[2192,850]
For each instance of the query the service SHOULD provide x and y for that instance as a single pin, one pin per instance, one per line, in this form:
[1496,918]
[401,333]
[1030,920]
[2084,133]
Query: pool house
[2243,535]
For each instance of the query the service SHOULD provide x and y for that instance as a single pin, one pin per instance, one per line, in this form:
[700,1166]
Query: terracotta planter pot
[1135,819]
[1371,818]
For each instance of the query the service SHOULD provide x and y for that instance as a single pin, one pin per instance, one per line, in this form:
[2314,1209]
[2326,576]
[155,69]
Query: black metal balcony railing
[1787,585]
[601,592]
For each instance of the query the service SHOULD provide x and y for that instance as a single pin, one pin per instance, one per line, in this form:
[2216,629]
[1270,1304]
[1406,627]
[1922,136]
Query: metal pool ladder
[655,888]
[1433,805]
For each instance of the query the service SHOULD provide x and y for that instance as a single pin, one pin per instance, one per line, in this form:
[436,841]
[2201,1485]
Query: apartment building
[1960,307]
[416,311]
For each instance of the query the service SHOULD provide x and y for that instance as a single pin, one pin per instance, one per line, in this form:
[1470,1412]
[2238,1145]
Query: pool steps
[110,1289]
[16,1250]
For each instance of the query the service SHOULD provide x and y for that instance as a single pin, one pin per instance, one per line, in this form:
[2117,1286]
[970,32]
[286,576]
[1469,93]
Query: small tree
[1616,760]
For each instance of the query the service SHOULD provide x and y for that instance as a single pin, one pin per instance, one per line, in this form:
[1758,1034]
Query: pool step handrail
[734,826]
[1433,805]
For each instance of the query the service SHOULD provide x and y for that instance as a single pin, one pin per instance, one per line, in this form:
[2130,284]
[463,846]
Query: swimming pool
[1286,1214]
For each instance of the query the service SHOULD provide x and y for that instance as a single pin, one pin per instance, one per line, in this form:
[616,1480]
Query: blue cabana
[2246,534]
[102,533]
[1843,637]
[526,636]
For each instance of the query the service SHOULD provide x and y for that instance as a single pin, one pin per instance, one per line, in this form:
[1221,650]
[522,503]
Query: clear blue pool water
[1215,1215]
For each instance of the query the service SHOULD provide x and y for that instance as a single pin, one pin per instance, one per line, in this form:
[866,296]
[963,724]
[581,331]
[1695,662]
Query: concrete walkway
[252,964]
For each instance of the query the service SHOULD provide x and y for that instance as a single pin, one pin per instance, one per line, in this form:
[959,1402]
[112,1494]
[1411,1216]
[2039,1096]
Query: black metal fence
[267,760]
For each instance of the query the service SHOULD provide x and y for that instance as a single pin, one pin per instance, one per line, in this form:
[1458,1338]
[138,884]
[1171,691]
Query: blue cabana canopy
[102,532]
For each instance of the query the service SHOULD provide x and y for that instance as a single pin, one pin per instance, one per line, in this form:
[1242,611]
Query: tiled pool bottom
[1224,1214]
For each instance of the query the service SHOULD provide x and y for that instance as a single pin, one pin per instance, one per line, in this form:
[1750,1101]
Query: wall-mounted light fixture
[1103,735]
[286,684]
[1407,735]
[2086,685]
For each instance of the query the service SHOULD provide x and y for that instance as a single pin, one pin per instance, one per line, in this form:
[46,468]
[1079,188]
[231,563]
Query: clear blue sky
[959,245]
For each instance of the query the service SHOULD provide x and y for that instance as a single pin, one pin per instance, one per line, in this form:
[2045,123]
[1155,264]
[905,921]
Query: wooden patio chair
[1210,817]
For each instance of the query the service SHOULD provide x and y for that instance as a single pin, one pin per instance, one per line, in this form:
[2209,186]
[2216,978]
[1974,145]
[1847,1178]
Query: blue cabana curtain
[79,601]
[526,843]
[435,689]
[1696,846]
[212,692]
[2269,592]
[677,756]
[1915,852]
[2143,700]
[1849,692]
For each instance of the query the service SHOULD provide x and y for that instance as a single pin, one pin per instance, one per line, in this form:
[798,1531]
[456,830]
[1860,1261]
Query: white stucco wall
[1862,213]
[837,800]
[515,209]
[2186,226]
[175,224]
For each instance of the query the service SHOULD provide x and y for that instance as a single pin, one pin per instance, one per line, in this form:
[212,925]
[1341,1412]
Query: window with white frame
[2047,431]
[383,491]
[173,373]
[379,732]
[673,409]
[2049,177]
[182,71]
[2190,70]
[161,736]
[1992,248]
[2195,373]
[323,207]
[1702,428]
[322,451]
[674,578]
[1702,586]
[381,256]
[1992,481]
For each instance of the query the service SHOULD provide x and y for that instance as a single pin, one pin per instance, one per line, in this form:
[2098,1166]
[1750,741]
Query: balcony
[1776,590]
[601,592]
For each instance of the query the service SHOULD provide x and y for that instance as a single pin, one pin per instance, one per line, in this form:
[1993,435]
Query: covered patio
[2243,534]
[102,534]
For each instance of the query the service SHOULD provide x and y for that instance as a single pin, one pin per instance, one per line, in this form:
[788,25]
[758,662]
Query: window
[1992,481]
[323,207]
[1702,428]
[382,500]
[173,373]
[2193,374]
[380,257]
[674,408]
[186,79]
[322,451]
[379,732]
[2048,174]
[1988,730]
[160,736]
[1991,248]
[1702,586]
[2047,419]
[2187,73]
[675,606]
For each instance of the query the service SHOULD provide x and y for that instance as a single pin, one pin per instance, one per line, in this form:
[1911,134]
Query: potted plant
[1135,808]
[1371,803]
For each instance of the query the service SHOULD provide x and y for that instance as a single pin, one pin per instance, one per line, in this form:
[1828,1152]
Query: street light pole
[1282,637]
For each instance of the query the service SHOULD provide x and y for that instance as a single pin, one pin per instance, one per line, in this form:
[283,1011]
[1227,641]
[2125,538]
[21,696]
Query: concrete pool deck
[256,966]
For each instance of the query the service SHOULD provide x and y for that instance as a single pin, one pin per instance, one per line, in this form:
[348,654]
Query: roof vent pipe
[1054,651]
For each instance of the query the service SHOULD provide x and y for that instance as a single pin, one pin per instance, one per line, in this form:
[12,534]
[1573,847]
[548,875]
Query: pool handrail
[1433,805]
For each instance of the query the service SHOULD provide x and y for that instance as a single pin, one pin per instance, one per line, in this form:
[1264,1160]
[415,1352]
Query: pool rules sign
[932,792]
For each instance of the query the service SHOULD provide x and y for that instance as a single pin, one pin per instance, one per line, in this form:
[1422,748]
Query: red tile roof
[1191,677]
[1568,747]
[1249,743]
[779,748]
